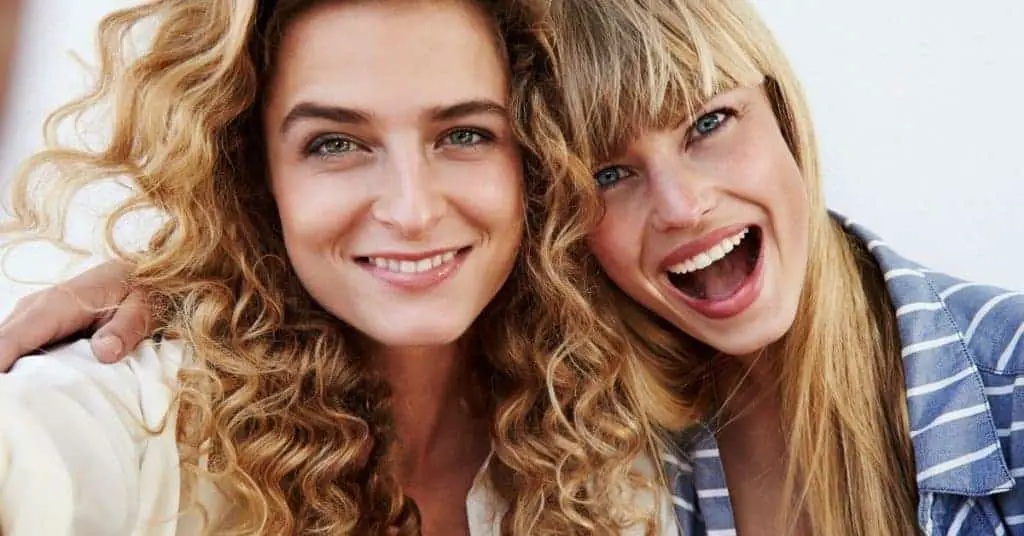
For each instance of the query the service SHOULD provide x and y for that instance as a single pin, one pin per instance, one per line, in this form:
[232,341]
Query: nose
[679,197]
[410,202]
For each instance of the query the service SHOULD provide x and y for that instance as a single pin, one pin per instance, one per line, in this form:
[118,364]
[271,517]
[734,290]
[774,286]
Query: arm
[98,299]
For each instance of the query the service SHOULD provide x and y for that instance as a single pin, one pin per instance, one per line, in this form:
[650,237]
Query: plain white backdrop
[917,105]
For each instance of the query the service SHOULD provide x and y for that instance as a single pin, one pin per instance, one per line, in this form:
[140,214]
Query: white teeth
[413,267]
[709,257]
[716,253]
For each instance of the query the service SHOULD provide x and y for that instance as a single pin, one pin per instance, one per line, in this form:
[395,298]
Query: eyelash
[691,138]
[485,136]
[727,115]
[316,146]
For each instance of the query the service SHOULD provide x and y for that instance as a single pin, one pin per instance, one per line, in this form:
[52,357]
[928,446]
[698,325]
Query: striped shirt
[963,361]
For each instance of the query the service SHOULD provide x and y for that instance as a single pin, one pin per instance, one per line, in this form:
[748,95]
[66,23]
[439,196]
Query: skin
[729,167]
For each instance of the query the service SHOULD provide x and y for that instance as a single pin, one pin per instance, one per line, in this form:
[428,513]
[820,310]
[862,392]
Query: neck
[750,419]
[431,406]
[747,381]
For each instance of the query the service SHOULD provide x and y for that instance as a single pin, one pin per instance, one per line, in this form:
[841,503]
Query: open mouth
[719,272]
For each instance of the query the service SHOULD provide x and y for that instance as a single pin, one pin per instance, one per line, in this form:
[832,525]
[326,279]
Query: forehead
[390,55]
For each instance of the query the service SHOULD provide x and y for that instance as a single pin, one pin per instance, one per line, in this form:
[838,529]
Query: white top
[76,459]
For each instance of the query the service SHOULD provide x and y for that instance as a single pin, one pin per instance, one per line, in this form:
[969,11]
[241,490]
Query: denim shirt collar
[938,370]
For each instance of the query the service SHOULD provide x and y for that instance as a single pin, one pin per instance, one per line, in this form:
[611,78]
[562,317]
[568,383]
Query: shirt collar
[944,386]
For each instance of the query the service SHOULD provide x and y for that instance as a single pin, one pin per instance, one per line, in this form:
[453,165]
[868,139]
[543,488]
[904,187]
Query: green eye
[465,138]
[328,146]
[610,176]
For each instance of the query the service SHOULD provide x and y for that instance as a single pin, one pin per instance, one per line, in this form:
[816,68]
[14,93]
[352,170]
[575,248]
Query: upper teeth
[413,267]
[701,261]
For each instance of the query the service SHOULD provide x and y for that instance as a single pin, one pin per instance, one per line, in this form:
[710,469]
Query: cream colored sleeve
[84,447]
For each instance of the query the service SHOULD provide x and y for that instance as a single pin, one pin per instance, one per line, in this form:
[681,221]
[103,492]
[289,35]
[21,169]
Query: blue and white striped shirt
[963,360]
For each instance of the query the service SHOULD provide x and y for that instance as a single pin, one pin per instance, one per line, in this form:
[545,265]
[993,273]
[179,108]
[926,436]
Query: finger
[130,324]
[42,318]
[55,313]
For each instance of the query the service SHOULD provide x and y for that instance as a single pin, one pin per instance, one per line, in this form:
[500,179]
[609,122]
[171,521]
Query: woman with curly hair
[360,331]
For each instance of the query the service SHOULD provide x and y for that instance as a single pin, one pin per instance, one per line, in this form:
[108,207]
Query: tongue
[718,281]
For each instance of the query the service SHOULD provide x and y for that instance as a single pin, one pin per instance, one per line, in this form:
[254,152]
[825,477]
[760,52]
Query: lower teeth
[724,277]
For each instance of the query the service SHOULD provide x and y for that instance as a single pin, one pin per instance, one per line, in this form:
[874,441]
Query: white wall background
[918,106]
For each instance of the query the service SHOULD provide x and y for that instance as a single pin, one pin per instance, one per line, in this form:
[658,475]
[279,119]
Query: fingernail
[108,348]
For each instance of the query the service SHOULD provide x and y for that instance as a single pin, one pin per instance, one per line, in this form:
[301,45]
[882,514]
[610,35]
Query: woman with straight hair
[842,388]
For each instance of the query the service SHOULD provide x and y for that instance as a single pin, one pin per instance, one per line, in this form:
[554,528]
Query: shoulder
[139,386]
[79,439]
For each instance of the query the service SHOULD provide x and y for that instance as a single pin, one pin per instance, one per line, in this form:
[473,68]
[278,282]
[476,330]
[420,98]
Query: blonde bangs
[625,66]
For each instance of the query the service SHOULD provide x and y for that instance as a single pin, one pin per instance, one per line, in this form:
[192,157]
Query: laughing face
[706,224]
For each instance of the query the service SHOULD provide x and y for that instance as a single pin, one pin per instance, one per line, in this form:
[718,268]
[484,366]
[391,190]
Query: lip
[732,305]
[418,281]
[691,249]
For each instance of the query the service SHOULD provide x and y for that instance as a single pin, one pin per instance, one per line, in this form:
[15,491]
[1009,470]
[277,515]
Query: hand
[98,299]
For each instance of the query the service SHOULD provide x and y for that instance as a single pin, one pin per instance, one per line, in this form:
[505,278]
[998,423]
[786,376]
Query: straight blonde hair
[618,67]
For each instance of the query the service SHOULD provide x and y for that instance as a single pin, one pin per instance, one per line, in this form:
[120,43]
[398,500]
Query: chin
[749,337]
[742,346]
[417,336]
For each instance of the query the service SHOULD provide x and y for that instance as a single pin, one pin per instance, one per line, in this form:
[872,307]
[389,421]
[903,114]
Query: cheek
[788,191]
[492,197]
[616,243]
[763,170]
[315,212]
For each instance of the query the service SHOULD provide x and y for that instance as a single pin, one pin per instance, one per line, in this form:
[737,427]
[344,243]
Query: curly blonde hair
[620,67]
[279,409]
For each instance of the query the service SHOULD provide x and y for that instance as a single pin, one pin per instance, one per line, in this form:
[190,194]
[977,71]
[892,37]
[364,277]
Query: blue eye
[610,176]
[465,138]
[331,145]
[709,123]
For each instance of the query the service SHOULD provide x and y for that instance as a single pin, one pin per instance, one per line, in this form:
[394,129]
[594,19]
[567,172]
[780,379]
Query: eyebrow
[467,108]
[340,114]
[313,110]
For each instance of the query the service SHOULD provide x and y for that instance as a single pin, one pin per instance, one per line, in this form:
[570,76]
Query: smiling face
[394,167]
[706,224]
